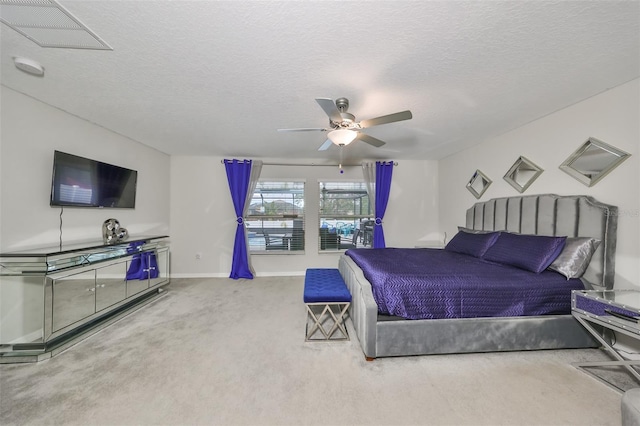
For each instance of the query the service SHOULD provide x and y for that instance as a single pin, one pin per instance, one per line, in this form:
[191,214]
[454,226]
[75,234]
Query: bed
[547,215]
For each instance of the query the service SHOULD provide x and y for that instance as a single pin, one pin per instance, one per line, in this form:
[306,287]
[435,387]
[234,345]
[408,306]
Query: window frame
[358,232]
[294,236]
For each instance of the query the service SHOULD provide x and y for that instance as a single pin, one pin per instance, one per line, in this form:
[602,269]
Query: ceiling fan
[343,128]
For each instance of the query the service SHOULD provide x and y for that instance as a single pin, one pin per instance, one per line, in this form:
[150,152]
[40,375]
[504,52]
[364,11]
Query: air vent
[48,24]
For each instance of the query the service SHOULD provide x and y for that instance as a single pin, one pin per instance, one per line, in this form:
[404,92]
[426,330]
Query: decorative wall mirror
[522,174]
[593,161]
[478,184]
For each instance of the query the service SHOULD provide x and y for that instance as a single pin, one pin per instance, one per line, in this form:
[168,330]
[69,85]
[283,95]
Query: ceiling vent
[48,24]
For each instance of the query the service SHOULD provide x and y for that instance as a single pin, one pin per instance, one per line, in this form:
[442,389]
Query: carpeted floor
[218,351]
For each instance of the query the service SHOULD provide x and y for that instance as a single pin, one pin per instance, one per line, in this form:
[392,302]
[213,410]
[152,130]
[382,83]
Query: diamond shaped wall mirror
[593,161]
[478,184]
[522,174]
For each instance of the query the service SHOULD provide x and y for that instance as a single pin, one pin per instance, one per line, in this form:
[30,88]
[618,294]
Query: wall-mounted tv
[81,182]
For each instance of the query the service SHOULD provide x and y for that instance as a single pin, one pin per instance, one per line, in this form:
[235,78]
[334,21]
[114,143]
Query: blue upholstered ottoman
[327,299]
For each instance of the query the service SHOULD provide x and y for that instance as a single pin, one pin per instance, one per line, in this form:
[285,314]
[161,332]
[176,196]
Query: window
[275,218]
[346,218]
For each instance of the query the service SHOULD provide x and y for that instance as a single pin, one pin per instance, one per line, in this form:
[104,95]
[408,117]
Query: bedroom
[186,195]
[210,231]
[434,175]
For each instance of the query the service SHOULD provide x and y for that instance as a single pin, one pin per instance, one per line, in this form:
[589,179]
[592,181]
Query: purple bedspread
[433,283]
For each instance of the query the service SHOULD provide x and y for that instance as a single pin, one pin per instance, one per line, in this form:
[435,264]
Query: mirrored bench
[50,298]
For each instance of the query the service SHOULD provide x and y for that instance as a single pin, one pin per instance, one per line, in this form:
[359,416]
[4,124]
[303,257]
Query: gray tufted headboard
[549,214]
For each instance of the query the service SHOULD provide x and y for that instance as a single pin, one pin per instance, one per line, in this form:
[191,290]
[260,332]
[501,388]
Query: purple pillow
[531,252]
[472,244]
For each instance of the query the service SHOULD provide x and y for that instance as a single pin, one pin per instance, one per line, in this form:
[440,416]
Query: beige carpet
[218,351]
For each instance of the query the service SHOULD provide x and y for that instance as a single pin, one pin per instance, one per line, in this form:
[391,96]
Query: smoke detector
[29,66]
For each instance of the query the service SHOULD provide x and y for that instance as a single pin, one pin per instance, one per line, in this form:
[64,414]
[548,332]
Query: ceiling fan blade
[391,118]
[326,145]
[303,130]
[329,107]
[370,140]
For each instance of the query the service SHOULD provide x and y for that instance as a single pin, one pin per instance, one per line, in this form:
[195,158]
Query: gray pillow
[575,257]
[473,231]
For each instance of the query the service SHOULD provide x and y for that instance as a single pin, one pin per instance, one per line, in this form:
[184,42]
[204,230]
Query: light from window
[275,217]
[346,218]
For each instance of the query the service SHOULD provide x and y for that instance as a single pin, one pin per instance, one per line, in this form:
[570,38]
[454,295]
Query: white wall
[426,196]
[30,132]
[612,117]
[203,219]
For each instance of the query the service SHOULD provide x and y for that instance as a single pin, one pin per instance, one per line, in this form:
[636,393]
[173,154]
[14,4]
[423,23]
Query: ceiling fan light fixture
[343,128]
[342,137]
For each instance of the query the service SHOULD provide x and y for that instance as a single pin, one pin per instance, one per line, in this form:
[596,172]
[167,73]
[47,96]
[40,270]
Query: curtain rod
[395,163]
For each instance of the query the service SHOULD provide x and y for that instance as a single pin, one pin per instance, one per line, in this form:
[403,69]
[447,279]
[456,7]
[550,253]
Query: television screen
[81,182]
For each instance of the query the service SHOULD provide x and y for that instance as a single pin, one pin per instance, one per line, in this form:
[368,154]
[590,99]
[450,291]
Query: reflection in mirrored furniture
[593,161]
[51,297]
[522,174]
[478,184]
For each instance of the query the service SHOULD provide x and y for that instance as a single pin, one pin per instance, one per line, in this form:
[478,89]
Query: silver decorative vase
[112,232]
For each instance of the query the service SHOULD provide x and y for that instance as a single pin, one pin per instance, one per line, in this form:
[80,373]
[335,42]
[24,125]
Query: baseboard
[205,275]
[281,274]
[226,275]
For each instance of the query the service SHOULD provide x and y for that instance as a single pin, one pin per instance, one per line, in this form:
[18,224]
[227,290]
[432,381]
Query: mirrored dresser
[52,297]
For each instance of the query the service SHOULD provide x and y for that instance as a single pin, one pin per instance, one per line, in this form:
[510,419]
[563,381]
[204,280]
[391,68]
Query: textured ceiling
[218,78]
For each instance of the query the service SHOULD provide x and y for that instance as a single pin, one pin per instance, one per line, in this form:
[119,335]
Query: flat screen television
[81,182]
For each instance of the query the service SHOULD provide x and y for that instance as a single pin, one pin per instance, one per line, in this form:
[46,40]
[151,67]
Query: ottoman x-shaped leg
[327,312]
